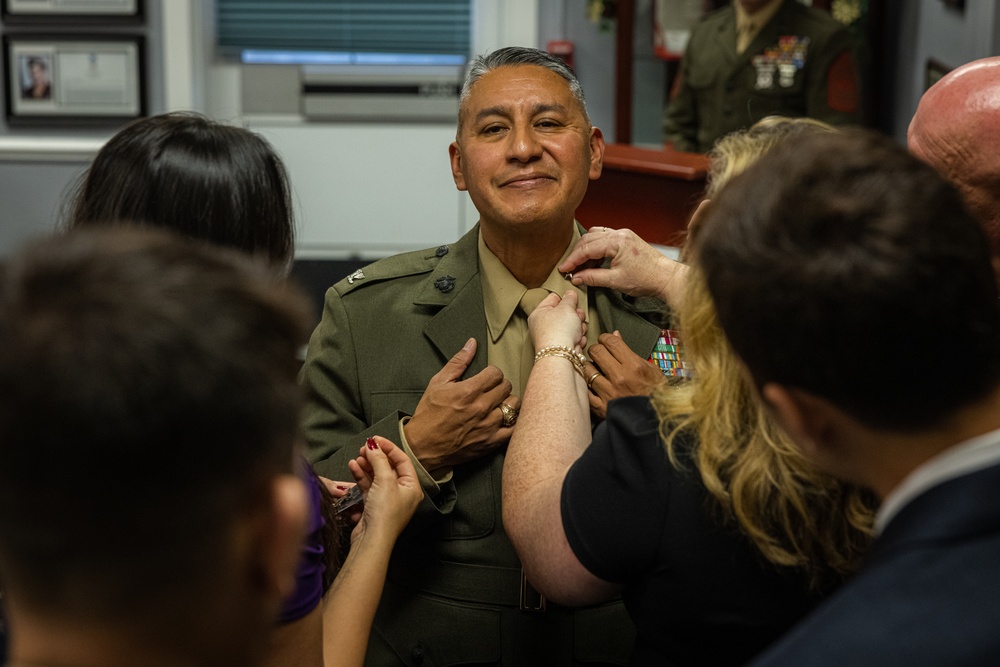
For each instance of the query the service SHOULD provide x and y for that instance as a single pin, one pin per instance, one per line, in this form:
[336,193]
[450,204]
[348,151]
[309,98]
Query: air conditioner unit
[422,93]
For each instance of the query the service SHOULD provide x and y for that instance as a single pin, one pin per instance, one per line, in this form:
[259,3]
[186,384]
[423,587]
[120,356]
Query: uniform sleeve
[614,497]
[834,88]
[334,418]
[680,120]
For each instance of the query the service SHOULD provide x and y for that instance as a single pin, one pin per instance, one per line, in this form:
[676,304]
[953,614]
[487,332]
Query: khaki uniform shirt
[510,347]
[748,26]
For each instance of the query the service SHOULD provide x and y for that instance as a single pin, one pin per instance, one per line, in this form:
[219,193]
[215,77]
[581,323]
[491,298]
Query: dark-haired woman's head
[204,179]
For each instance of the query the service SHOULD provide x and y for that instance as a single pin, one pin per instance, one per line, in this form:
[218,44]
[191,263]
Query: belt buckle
[531,600]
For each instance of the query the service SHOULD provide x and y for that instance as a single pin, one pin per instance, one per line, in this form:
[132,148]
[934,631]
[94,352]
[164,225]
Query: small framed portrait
[73,80]
[75,11]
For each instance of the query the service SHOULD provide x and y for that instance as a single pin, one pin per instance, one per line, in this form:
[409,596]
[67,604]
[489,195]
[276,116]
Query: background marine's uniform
[800,64]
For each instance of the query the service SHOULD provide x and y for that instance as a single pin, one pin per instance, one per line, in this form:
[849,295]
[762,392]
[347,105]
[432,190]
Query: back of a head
[149,395]
[956,129]
[733,153]
[203,179]
[836,261]
[796,516]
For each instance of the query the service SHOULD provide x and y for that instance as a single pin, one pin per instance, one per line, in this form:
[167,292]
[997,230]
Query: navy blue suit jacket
[929,593]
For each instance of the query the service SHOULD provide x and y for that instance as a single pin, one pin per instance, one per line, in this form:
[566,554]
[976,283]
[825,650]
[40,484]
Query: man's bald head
[956,130]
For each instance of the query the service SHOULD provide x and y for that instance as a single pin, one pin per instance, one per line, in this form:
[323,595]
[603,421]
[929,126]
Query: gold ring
[509,415]
[590,381]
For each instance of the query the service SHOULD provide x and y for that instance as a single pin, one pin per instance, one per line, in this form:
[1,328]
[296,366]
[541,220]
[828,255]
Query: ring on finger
[590,380]
[509,415]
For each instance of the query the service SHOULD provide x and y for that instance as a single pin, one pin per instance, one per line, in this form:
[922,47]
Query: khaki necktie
[529,301]
[744,35]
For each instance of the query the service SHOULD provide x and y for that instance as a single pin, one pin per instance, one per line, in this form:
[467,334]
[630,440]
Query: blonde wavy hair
[733,153]
[795,515]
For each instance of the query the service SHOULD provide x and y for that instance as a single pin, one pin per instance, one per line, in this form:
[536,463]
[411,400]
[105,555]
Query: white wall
[370,190]
[929,29]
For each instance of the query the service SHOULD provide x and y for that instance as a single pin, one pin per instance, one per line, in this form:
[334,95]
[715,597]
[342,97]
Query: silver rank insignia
[357,275]
[765,72]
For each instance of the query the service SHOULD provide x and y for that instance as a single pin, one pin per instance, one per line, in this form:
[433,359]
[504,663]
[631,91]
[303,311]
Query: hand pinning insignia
[445,284]
[357,275]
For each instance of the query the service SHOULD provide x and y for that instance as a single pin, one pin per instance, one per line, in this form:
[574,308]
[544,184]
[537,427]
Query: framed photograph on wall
[76,11]
[73,80]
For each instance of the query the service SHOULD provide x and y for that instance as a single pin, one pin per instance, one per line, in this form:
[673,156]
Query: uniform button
[418,656]
[441,251]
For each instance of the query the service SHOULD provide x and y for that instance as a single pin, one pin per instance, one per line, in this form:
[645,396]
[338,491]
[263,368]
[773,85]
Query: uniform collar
[502,292]
[755,22]
[961,459]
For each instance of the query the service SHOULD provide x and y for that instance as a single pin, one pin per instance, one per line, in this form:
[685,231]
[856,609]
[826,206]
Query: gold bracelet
[575,357]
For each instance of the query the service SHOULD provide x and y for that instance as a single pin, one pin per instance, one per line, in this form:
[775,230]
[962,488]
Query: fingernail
[343,488]
[469,343]
[371,443]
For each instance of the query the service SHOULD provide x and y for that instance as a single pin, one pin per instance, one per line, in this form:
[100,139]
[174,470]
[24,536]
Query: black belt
[482,584]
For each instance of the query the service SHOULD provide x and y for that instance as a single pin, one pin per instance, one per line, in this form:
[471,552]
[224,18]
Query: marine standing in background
[758,58]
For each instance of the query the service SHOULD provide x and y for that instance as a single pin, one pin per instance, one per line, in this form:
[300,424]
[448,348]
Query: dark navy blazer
[929,593]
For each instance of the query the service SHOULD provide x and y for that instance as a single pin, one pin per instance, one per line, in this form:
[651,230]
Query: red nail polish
[343,488]
[371,443]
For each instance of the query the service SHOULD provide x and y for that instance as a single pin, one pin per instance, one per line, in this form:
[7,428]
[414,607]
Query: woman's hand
[636,268]
[558,322]
[617,371]
[391,490]
[338,490]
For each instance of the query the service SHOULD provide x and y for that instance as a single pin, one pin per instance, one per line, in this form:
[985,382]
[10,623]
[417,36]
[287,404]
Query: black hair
[204,179]
[148,393]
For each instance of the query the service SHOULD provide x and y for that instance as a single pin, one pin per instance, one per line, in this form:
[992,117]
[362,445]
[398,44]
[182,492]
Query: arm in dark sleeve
[834,82]
[614,497]
[680,120]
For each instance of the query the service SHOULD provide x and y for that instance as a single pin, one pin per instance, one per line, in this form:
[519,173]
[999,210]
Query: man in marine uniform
[431,349]
[758,58]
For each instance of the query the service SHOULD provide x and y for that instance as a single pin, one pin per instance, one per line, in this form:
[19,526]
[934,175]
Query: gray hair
[512,56]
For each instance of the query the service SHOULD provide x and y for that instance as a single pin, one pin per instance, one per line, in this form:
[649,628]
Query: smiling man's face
[525,150]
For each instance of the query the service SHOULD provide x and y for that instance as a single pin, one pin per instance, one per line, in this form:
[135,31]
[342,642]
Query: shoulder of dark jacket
[417,262]
[711,23]
[646,307]
[813,21]
[717,16]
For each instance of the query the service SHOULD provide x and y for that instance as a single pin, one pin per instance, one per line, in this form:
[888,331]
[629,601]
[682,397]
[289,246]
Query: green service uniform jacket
[793,67]
[453,592]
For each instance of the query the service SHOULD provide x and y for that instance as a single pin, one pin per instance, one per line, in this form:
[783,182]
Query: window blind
[359,26]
